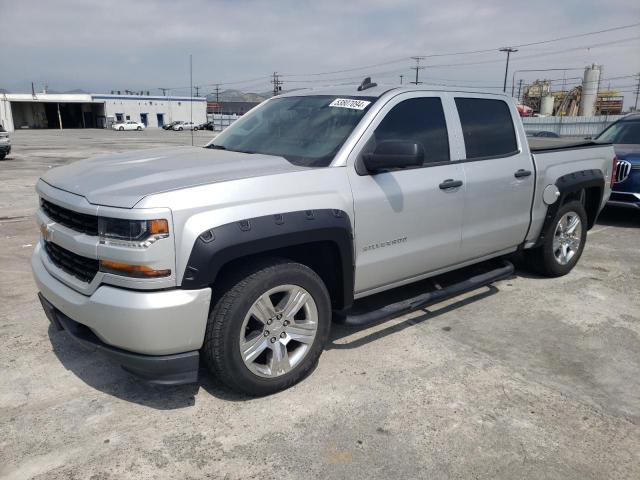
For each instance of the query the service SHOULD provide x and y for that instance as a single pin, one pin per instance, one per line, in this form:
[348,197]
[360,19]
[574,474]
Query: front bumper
[151,326]
[176,369]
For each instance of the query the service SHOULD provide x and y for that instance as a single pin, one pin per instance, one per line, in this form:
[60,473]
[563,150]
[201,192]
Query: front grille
[80,222]
[623,169]
[80,267]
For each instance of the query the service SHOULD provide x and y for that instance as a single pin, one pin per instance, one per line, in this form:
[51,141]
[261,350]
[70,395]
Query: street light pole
[509,51]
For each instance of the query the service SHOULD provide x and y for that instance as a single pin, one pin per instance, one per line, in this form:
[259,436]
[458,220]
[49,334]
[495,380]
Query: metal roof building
[80,110]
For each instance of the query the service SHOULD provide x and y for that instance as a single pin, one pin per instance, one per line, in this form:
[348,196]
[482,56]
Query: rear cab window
[487,128]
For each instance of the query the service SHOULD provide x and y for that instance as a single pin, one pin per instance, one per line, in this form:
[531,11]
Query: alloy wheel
[278,331]
[567,237]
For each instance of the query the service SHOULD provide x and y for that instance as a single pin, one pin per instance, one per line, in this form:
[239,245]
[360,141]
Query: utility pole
[519,88]
[637,93]
[277,84]
[418,67]
[401,77]
[191,94]
[164,91]
[197,90]
[509,51]
[217,93]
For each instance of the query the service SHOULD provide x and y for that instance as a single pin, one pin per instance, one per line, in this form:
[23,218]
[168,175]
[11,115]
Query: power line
[467,52]
[436,55]
[537,55]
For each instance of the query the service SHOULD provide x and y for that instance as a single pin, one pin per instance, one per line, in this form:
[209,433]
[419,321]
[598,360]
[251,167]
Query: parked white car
[128,125]
[186,126]
[5,143]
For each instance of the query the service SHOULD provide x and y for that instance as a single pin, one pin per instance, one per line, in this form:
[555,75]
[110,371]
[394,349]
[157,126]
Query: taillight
[614,171]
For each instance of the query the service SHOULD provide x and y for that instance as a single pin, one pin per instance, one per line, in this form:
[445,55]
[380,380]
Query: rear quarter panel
[553,164]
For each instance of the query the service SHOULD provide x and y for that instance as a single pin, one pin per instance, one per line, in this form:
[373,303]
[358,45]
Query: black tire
[2,155]
[195,129]
[121,129]
[180,128]
[543,259]
[221,349]
[139,128]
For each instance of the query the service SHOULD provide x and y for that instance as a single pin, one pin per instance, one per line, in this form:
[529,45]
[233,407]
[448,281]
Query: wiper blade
[216,147]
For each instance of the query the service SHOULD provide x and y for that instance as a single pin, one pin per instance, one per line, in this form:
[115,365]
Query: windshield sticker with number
[350,103]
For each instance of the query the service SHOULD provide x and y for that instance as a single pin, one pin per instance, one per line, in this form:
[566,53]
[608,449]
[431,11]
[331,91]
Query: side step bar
[423,300]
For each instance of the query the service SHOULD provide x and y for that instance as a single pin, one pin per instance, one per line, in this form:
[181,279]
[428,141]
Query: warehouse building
[80,110]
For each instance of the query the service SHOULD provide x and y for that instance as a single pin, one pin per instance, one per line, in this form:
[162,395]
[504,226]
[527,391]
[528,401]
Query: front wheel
[269,328]
[563,243]
[180,128]
[139,128]
[195,129]
[121,129]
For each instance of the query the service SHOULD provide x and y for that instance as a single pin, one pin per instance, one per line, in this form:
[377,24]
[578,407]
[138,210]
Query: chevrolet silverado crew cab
[239,253]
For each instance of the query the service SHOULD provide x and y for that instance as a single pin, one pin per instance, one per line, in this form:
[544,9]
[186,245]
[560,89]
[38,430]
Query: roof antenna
[366,83]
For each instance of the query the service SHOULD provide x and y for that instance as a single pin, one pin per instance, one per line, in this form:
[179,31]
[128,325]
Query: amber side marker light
[136,271]
[158,227]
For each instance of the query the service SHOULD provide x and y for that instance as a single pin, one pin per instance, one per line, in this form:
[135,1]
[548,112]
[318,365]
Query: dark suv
[625,136]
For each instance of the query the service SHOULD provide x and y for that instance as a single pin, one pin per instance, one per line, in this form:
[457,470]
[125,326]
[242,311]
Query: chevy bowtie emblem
[47,233]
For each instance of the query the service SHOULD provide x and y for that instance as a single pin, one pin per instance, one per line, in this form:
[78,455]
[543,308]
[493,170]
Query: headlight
[141,233]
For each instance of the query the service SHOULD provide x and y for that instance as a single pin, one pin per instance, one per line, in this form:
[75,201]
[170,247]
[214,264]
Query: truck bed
[554,144]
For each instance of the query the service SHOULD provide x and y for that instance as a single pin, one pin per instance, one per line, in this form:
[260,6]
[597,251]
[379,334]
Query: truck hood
[629,152]
[124,179]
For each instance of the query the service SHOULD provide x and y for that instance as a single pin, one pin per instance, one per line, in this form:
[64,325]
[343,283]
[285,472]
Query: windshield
[307,131]
[621,132]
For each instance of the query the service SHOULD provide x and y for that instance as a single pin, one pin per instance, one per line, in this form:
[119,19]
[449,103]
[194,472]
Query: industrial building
[585,100]
[80,110]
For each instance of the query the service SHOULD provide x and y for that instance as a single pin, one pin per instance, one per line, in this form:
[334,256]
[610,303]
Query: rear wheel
[269,328]
[139,128]
[564,242]
[195,129]
[121,129]
[180,128]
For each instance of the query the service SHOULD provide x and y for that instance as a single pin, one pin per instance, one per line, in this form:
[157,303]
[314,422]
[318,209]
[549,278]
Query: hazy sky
[103,45]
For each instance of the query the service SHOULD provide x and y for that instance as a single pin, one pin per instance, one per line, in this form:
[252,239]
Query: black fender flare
[568,184]
[217,246]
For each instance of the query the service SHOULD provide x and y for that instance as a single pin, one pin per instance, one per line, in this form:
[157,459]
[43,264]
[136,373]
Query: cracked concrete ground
[530,378]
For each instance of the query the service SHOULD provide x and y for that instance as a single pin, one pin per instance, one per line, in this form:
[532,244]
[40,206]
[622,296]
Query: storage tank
[589,90]
[546,105]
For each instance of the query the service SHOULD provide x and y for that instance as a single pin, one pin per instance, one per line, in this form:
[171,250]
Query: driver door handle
[450,183]
[522,173]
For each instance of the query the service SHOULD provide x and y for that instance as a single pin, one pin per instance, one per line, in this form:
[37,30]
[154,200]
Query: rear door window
[419,120]
[487,128]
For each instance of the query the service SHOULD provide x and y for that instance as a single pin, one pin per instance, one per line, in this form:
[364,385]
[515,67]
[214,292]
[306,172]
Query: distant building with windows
[80,110]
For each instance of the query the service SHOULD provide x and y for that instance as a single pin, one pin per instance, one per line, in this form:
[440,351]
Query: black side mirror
[393,154]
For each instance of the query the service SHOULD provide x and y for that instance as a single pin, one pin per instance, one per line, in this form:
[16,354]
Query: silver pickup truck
[241,253]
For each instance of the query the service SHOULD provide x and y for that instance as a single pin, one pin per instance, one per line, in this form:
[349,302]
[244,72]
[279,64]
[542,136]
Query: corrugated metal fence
[570,126]
[221,121]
